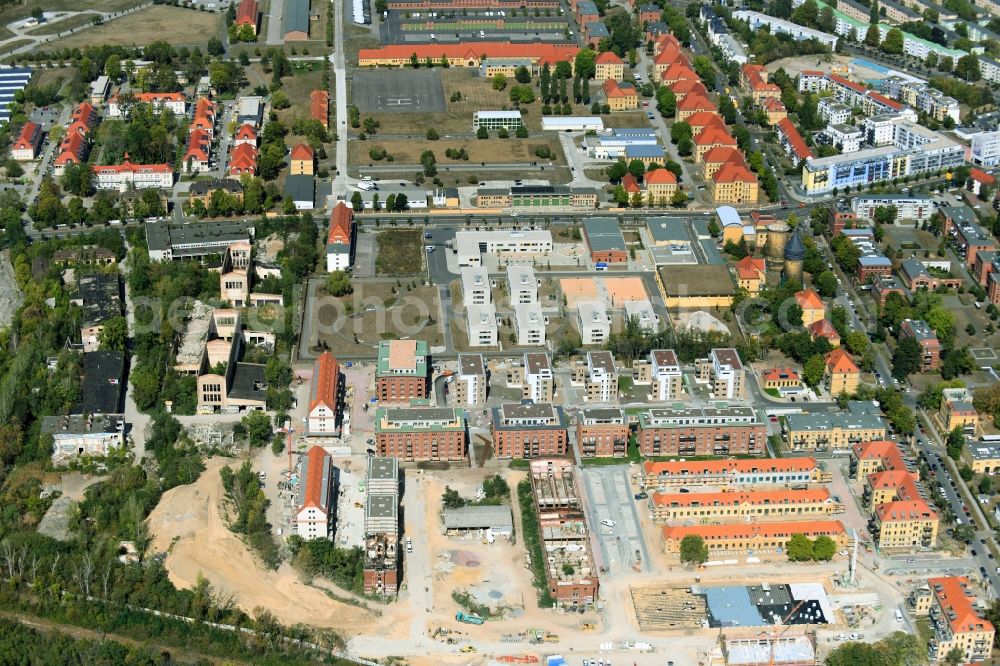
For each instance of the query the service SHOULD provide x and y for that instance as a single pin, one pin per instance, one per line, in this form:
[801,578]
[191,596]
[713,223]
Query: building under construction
[569,564]
[381,566]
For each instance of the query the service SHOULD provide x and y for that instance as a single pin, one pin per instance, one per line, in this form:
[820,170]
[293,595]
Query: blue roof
[728,216]
[732,607]
[643,151]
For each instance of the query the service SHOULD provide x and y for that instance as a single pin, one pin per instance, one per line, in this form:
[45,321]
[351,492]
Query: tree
[693,550]
[371,125]
[678,198]
[357,201]
[893,42]
[616,171]
[932,59]
[872,36]
[499,82]
[955,443]
[78,179]
[637,169]
[799,548]
[450,499]
[826,284]
[432,134]
[906,358]
[967,68]
[856,342]
[521,132]
[338,283]
[114,334]
[813,371]
[897,649]
[824,548]
[585,65]
[482,133]
[522,75]
[215,47]
[257,425]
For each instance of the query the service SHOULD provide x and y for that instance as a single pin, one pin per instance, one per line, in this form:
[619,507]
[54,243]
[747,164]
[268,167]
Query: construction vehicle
[469,618]
[467,649]
[551,638]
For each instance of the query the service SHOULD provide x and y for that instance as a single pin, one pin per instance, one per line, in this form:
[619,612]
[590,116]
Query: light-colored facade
[481,321]
[471,384]
[78,435]
[529,325]
[315,512]
[593,321]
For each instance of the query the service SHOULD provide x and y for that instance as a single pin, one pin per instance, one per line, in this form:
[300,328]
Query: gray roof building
[495,518]
[297,16]
[196,239]
[603,234]
[103,383]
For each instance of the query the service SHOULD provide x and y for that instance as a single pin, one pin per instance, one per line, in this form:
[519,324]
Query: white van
[367,179]
[608,523]
[899,616]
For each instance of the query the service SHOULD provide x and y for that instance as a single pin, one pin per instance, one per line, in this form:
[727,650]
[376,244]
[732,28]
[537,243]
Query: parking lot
[398,91]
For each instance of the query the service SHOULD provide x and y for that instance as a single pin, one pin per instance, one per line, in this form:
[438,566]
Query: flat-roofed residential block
[681,430]
[602,432]
[316,508]
[471,384]
[495,120]
[522,284]
[481,325]
[666,375]
[957,411]
[476,289]
[529,430]
[642,313]
[601,377]
[529,325]
[401,374]
[724,370]
[983,458]
[536,377]
[420,433]
[593,322]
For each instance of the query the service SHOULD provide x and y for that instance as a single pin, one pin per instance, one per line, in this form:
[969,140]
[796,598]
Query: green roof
[419,419]
[384,370]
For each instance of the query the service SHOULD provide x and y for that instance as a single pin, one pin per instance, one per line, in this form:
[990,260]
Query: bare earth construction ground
[188,525]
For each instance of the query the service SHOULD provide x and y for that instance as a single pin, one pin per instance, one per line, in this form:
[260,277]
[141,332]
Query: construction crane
[775,634]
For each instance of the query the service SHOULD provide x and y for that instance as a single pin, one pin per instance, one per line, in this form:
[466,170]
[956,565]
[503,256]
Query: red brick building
[401,374]
[930,346]
[696,431]
[602,432]
[529,431]
[420,433]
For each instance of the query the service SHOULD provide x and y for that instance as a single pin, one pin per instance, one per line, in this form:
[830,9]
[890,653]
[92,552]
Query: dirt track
[204,545]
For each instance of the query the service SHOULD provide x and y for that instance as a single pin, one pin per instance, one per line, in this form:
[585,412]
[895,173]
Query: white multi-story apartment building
[832,111]
[727,374]
[539,380]
[845,137]
[593,321]
[668,380]
[470,384]
[777,25]
[529,324]
[482,323]
[644,315]
[986,148]
[523,285]
[314,516]
[910,207]
[476,288]
[602,377]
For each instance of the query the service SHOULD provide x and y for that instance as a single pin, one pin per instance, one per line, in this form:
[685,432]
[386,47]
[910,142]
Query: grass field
[23,9]
[381,311]
[400,252]
[16,44]
[179,27]
[479,150]
[357,38]
[68,23]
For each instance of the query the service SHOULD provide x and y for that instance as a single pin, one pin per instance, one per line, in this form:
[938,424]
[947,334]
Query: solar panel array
[12,79]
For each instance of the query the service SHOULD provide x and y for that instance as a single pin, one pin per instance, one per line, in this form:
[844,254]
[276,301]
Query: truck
[469,618]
